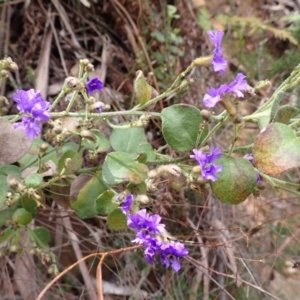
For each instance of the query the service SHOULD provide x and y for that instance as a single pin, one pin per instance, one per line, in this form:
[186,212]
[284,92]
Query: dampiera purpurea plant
[131,166]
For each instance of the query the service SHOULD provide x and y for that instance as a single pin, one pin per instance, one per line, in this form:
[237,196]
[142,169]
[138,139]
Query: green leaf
[41,235]
[6,215]
[10,170]
[29,204]
[100,145]
[105,203]
[85,189]
[3,189]
[33,180]
[120,167]
[158,35]
[276,149]
[6,234]
[285,113]
[180,126]
[73,163]
[235,182]
[117,220]
[132,141]
[21,216]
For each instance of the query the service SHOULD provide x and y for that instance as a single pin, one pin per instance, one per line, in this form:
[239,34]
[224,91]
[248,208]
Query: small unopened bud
[144,199]
[43,147]
[84,62]
[68,162]
[202,61]
[58,129]
[201,180]
[14,248]
[173,170]
[262,84]
[13,183]
[3,73]
[206,115]
[74,83]
[238,119]
[97,106]
[261,185]
[13,67]
[153,174]
[89,135]
[89,68]
[196,169]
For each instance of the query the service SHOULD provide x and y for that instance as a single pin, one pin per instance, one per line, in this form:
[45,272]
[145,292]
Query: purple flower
[148,229]
[170,252]
[125,206]
[208,169]
[142,221]
[94,85]
[238,85]
[35,110]
[249,157]
[218,61]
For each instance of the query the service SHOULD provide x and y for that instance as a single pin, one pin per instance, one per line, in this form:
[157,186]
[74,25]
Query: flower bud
[144,199]
[206,115]
[84,62]
[262,84]
[202,61]
[43,148]
[3,73]
[97,106]
[87,134]
[89,68]
[73,83]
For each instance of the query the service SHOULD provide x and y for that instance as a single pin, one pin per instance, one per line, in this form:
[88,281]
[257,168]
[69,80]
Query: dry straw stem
[99,279]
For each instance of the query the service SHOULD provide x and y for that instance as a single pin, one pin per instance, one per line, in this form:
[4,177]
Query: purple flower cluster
[149,229]
[35,110]
[219,64]
[236,86]
[218,61]
[208,169]
[94,85]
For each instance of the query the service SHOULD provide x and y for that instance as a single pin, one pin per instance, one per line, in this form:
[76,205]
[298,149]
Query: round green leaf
[276,149]
[29,204]
[22,216]
[285,113]
[74,163]
[120,167]
[6,234]
[41,235]
[100,145]
[235,182]
[33,180]
[10,170]
[117,220]
[3,189]
[132,141]
[180,126]
[105,203]
[85,189]
[6,215]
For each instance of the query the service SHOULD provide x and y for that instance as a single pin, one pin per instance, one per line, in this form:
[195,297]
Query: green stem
[74,95]
[217,126]
[168,161]
[57,99]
